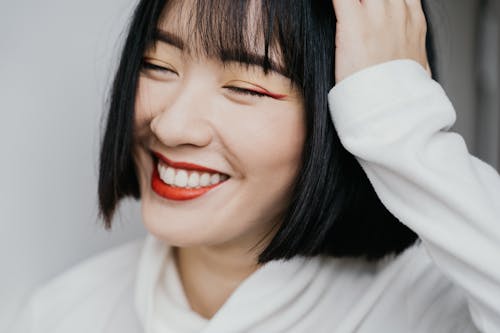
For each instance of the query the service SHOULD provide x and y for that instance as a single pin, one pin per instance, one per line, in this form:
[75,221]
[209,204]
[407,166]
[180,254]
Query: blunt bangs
[252,32]
[334,210]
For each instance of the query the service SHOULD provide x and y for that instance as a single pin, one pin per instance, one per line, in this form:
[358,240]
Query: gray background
[56,63]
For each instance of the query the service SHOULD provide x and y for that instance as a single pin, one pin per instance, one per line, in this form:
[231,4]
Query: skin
[370,32]
[190,115]
[187,108]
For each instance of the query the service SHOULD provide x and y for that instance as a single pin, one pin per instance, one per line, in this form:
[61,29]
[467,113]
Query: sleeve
[395,119]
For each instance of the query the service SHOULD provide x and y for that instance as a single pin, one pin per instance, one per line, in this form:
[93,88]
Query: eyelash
[150,66]
[242,91]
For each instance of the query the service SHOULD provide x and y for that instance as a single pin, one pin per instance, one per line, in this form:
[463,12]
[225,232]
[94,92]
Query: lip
[185,165]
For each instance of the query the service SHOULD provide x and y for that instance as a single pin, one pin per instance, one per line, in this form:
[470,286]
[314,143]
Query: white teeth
[167,174]
[205,179]
[214,179]
[181,178]
[194,179]
[170,176]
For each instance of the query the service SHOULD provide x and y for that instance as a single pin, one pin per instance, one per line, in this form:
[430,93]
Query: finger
[381,10]
[398,9]
[419,22]
[345,9]
[414,3]
[416,10]
[374,4]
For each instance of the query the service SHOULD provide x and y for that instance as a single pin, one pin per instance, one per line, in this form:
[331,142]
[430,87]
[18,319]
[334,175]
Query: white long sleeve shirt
[395,119]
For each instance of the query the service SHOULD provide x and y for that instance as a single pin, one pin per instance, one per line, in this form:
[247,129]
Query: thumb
[345,9]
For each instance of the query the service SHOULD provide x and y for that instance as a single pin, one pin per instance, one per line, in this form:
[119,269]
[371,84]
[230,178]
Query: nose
[185,120]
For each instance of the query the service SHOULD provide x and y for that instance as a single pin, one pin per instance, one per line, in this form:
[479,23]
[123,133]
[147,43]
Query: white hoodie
[395,119]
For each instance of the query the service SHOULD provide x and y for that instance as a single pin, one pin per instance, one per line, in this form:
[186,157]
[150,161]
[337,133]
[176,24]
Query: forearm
[395,119]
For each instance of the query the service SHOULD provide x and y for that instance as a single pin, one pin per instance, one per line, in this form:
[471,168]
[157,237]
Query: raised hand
[375,31]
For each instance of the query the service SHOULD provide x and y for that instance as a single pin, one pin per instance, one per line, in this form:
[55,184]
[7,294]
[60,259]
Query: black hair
[334,209]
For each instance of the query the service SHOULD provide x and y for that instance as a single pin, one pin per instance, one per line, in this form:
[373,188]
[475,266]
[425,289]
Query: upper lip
[185,165]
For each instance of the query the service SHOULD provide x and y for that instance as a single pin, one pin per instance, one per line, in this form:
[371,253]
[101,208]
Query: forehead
[223,29]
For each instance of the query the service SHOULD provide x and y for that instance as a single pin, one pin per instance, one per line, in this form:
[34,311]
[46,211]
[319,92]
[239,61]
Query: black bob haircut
[334,210]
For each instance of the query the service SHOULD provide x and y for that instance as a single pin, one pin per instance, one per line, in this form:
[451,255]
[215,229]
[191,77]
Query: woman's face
[228,117]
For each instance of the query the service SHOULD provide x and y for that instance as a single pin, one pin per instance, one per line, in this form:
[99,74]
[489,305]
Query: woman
[269,211]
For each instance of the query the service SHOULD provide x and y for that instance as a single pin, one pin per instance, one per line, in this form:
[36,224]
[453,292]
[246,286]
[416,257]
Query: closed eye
[244,91]
[146,65]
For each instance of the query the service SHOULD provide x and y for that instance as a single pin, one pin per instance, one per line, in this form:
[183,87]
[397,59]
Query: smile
[176,183]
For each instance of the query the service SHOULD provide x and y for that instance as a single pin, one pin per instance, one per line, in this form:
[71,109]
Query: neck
[210,275]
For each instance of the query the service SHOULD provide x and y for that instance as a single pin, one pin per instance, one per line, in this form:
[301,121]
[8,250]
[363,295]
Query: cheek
[269,143]
[268,148]
[142,102]
[142,167]
[151,98]
[149,102]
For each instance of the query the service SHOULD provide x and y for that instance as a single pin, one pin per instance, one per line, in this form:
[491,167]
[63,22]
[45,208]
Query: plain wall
[56,63]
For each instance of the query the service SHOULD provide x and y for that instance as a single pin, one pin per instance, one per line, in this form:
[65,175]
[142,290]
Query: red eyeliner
[270,94]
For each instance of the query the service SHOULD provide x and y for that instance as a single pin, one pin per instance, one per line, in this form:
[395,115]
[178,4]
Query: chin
[183,226]
[170,225]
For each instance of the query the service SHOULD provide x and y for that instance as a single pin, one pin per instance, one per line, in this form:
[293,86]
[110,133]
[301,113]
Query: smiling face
[227,116]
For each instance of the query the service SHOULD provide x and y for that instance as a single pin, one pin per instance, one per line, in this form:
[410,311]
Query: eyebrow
[244,57]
